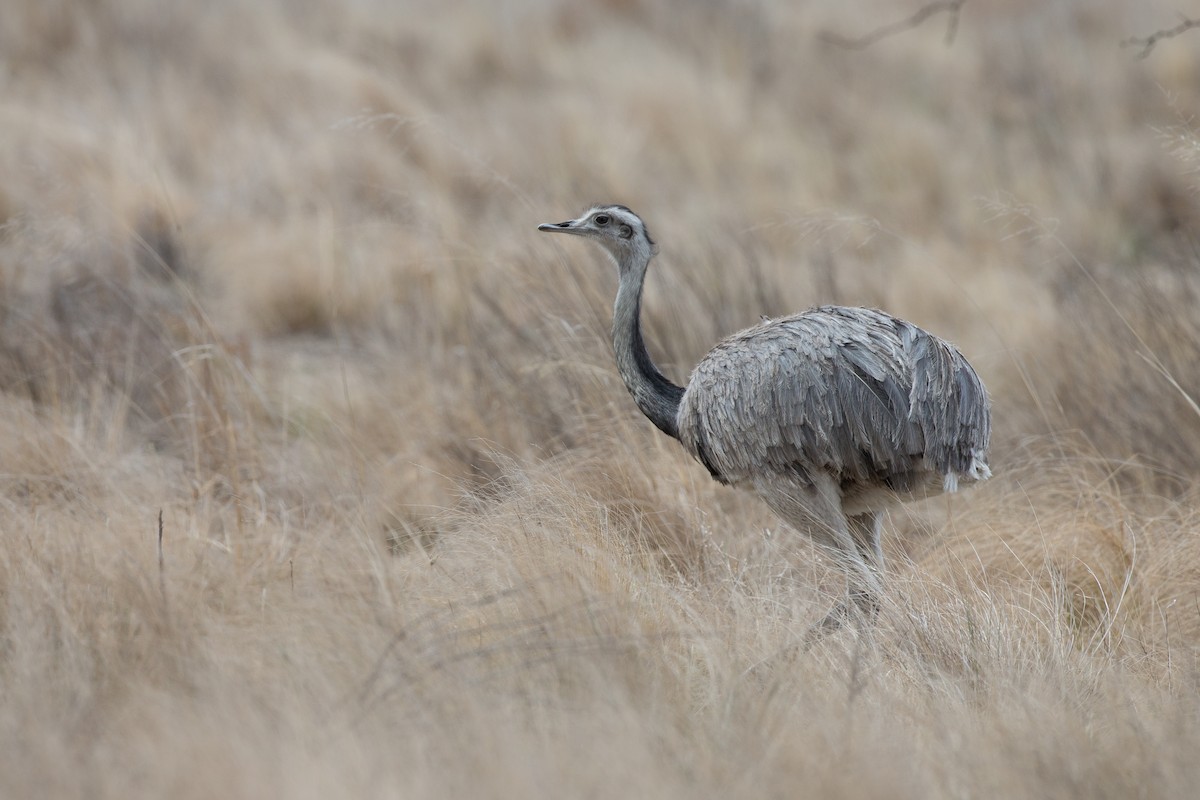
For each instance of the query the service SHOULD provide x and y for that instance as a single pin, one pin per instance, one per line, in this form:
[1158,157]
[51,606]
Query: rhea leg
[867,530]
[814,506]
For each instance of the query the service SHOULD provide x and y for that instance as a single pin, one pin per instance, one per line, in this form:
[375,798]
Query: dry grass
[271,269]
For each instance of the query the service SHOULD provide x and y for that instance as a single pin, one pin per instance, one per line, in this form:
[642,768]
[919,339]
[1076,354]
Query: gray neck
[656,396]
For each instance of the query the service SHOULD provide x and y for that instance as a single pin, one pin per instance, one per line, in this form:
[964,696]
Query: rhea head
[620,231]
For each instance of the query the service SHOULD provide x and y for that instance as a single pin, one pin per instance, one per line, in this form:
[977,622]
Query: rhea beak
[570,226]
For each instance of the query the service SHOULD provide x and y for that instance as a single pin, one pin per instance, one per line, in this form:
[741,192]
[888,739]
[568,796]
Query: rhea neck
[656,396]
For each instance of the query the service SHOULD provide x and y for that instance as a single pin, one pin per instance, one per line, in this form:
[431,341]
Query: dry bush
[1120,371]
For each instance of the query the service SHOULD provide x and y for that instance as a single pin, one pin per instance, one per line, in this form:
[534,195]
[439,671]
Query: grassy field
[319,481]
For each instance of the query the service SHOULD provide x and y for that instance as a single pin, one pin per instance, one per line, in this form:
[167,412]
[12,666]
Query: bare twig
[951,7]
[162,580]
[1148,42]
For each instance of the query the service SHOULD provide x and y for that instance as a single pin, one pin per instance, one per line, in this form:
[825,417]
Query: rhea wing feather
[854,392]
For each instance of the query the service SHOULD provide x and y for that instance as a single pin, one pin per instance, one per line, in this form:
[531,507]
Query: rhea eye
[602,219]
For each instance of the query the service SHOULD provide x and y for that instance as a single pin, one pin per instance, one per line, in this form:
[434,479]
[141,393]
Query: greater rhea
[829,416]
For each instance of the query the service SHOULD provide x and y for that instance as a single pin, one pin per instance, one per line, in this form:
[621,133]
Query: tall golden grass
[271,270]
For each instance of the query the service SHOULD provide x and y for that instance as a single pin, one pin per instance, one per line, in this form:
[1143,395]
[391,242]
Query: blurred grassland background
[271,269]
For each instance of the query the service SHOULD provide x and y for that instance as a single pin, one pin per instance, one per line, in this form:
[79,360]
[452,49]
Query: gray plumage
[830,415]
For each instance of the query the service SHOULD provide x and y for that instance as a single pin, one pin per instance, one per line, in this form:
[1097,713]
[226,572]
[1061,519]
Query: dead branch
[162,579]
[1147,42]
[951,7]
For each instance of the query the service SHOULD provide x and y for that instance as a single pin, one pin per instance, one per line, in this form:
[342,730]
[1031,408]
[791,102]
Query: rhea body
[829,416]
